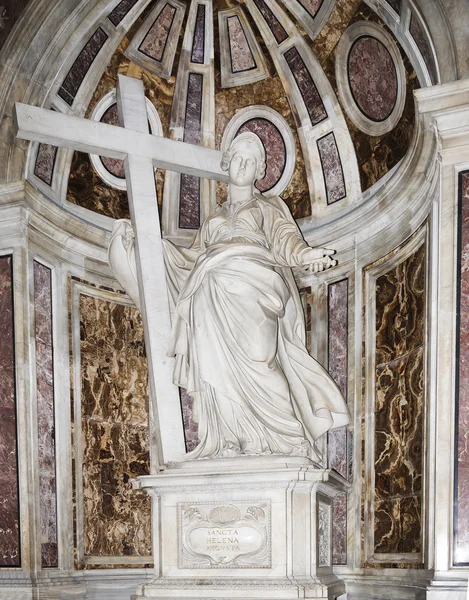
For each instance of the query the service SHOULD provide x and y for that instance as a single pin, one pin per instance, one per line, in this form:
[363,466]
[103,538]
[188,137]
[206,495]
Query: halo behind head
[251,142]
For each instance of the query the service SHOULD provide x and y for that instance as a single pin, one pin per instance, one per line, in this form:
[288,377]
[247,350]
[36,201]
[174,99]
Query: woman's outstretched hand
[316,260]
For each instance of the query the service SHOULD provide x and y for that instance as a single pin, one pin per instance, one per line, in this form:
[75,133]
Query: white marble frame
[313,25]
[172,180]
[269,114]
[351,35]
[228,77]
[163,68]
[307,132]
[79,289]
[384,265]
[101,107]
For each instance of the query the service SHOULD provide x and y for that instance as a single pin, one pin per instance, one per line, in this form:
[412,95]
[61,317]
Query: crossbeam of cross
[141,152]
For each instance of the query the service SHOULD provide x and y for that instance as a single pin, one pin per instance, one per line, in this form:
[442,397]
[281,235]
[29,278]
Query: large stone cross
[141,152]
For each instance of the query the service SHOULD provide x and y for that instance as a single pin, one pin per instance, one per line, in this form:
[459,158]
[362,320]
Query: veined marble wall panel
[45,414]
[154,43]
[120,11]
[397,402]
[190,426]
[376,155]
[241,55]
[312,6]
[111,425]
[332,168]
[45,162]
[461,504]
[72,82]
[10,550]
[189,199]
[337,439]
[420,36]
[198,41]
[274,24]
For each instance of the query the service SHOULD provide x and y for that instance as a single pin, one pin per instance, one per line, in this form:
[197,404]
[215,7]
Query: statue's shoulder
[273,204]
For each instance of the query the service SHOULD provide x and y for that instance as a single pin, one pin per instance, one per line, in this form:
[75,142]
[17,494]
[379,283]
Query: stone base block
[259,529]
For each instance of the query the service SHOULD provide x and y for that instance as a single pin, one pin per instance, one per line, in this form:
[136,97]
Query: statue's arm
[289,247]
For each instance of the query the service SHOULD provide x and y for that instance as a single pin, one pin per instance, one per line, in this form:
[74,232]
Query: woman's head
[245,159]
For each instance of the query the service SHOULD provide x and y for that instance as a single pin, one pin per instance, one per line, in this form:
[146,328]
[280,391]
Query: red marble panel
[45,162]
[399,406]
[45,414]
[114,423]
[461,512]
[423,43]
[240,52]
[120,11]
[312,6]
[154,43]
[339,530]
[198,41]
[305,83]
[274,24]
[9,499]
[372,78]
[189,196]
[113,165]
[274,146]
[81,66]
[332,168]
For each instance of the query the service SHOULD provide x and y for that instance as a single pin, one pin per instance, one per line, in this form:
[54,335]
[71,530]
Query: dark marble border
[247,42]
[339,164]
[277,29]
[82,64]
[419,35]
[121,11]
[198,40]
[16,488]
[357,104]
[457,382]
[159,60]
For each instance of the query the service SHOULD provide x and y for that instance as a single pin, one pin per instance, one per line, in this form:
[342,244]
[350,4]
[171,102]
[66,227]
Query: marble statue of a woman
[238,332]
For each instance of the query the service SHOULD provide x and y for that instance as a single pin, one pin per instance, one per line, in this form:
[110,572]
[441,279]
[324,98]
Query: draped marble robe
[239,336]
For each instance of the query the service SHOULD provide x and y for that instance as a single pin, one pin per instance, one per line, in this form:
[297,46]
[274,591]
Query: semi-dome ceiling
[327,85]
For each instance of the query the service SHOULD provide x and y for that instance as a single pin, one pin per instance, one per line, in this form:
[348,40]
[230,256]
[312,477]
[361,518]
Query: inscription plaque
[224,535]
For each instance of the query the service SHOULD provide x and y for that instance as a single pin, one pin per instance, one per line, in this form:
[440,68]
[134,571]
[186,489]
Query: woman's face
[243,167]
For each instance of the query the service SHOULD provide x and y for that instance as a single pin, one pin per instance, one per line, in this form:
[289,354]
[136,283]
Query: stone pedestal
[254,527]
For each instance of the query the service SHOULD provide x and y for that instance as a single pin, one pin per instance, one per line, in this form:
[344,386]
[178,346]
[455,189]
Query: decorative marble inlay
[115,166]
[419,34]
[309,93]
[399,406]
[240,52]
[154,43]
[372,78]
[9,500]
[274,149]
[81,66]
[189,197]
[306,295]
[461,512]
[120,11]
[45,162]
[331,168]
[114,429]
[198,41]
[224,535]
[339,530]
[45,414]
[312,6]
[324,535]
[274,24]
